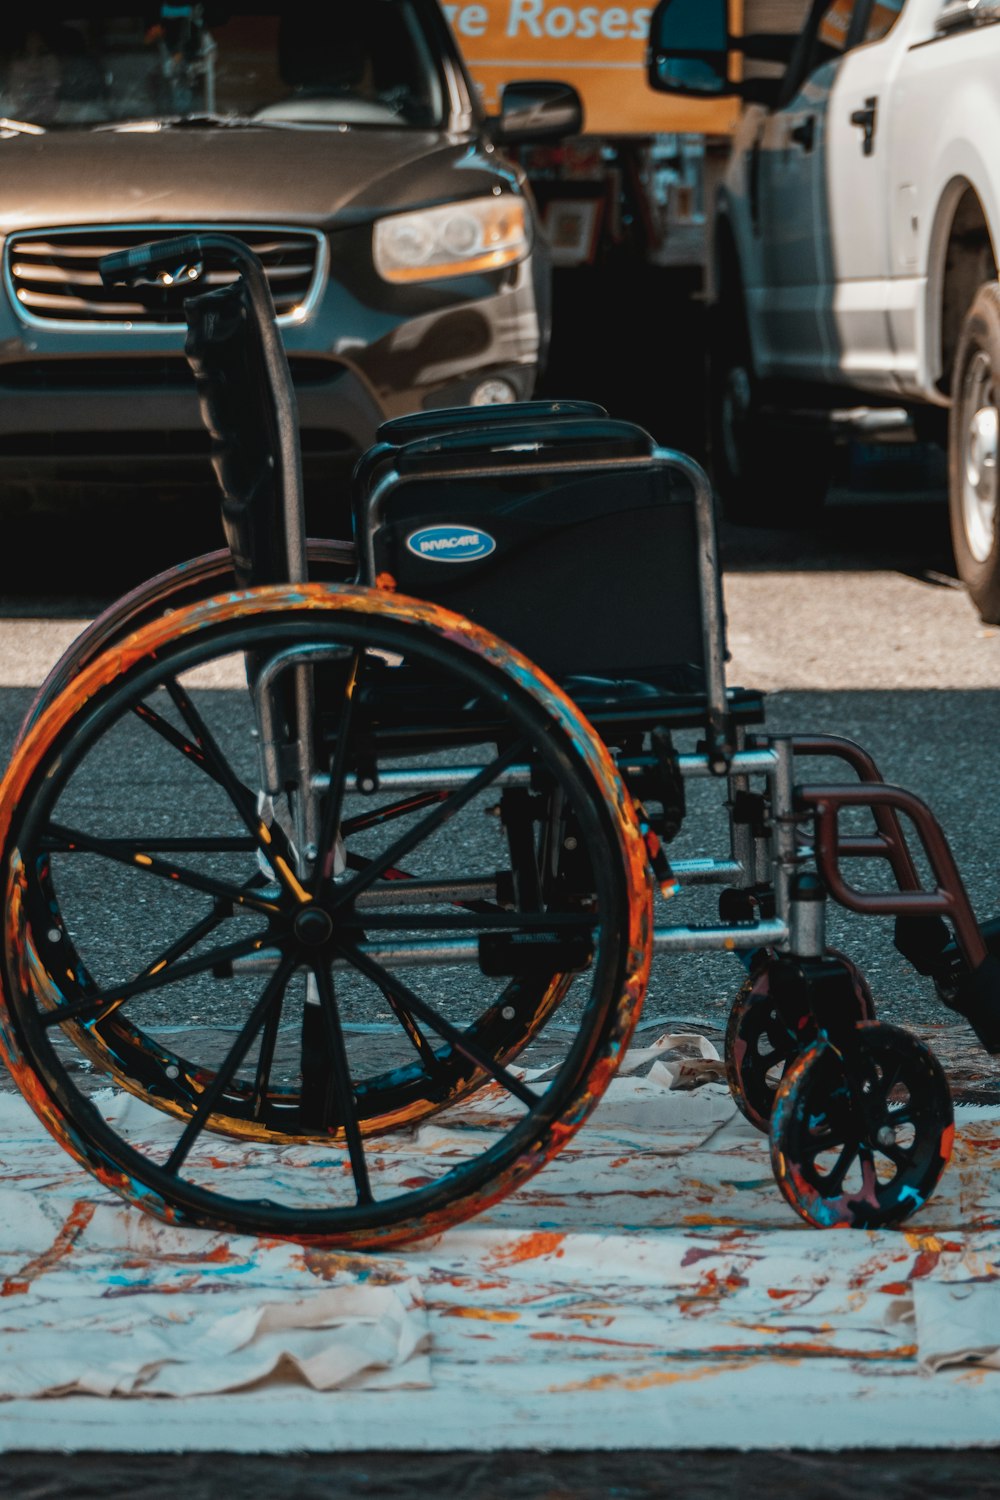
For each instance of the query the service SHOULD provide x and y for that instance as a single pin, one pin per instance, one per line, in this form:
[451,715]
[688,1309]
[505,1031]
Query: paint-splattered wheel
[763,1038]
[184,583]
[860,1136]
[472,889]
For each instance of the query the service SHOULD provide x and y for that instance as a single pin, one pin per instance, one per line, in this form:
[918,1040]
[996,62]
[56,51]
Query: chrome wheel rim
[980,444]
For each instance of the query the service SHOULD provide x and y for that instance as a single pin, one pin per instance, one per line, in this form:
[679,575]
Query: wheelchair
[374,944]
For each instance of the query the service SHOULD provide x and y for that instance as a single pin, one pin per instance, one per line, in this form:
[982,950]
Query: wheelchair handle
[184,252]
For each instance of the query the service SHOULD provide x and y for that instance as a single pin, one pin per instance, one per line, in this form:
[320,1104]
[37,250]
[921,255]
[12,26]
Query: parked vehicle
[853,251]
[346,146]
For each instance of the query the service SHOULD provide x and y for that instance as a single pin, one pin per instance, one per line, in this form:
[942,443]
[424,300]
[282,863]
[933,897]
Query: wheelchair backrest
[441,420]
[573,537]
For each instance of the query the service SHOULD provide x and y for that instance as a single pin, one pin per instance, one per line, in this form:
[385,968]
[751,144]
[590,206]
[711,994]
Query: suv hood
[232,174]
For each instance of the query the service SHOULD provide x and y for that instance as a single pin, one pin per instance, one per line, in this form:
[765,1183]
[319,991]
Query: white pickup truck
[855,243]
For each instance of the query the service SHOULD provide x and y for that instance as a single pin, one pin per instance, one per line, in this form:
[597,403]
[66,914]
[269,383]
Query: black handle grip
[135,264]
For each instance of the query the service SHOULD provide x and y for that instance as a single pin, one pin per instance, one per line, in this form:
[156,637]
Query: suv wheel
[973,445]
[766,471]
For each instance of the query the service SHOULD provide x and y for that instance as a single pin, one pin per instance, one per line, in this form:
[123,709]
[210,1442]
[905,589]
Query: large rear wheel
[477,894]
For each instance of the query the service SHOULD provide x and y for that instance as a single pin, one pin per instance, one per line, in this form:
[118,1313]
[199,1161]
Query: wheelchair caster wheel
[761,1042]
[860,1137]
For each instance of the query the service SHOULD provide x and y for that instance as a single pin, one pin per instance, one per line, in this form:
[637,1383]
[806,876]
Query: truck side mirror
[537,111]
[689,49]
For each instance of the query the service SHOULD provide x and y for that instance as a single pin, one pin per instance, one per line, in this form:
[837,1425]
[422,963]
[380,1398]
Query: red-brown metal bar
[948,899]
[890,842]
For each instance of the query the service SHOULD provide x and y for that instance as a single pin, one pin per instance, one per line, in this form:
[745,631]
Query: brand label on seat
[455,544]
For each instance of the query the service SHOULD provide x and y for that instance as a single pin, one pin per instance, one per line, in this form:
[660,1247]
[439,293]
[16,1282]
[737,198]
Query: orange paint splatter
[925,1263]
[642,1382]
[484,1314]
[583,1338]
[76,1222]
[531,1247]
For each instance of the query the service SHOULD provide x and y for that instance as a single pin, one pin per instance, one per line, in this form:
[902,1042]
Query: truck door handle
[804,133]
[865,119]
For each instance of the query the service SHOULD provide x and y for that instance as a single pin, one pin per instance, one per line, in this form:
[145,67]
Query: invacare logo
[451,543]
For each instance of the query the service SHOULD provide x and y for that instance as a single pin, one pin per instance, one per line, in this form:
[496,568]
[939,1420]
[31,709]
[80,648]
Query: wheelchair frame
[802,1045]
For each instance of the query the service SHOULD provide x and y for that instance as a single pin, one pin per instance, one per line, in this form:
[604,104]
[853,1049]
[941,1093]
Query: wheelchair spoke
[424,1050]
[265,1061]
[73,840]
[330,828]
[833,1180]
[272,842]
[173,737]
[428,825]
[177,949]
[388,983]
[342,1083]
[273,993]
[97,1003]
[390,811]
[207,845]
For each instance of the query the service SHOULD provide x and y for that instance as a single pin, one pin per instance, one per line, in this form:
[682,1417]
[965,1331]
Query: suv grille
[54,275]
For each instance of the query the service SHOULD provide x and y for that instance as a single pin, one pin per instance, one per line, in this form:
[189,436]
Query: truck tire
[973,444]
[767,471]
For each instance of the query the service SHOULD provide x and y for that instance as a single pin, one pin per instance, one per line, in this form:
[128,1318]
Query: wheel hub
[979,491]
[313,926]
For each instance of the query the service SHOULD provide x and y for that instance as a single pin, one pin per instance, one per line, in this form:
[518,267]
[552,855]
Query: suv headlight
[482,234]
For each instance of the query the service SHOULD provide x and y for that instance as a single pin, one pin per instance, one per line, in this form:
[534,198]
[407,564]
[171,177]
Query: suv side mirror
[537,112]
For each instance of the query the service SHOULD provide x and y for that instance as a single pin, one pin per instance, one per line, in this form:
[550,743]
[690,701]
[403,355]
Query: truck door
[855,265]
[798,144]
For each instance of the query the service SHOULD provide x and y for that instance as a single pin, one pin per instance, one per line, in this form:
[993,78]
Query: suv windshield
[345,62]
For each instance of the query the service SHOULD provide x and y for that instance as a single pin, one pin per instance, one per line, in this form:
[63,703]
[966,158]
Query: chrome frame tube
[443,778]
[422,953]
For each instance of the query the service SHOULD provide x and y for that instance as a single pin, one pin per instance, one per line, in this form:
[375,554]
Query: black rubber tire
[760,1045]
[184,583]
[834,1104]
[974,485]
[83,741]
[767,471]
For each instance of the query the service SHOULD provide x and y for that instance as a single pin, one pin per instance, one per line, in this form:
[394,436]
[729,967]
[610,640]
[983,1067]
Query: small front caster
[861,1134]
[762,1038]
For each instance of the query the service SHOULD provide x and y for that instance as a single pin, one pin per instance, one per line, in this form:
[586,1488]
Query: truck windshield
[341,63]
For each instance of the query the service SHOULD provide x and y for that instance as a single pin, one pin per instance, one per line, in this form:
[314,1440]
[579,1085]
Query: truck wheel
[766,471]
[973,443]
